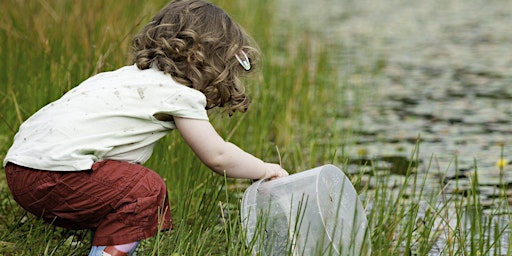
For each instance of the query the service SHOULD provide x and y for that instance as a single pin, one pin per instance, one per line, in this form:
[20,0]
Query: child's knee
[156,183]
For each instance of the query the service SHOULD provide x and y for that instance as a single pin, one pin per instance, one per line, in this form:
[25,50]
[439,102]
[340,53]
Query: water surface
[437,72]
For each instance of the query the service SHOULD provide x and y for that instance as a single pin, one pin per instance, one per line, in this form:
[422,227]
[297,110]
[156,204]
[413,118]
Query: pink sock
[126,247]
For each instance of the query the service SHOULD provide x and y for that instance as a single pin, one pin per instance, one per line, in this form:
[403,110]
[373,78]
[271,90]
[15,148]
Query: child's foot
[113,251]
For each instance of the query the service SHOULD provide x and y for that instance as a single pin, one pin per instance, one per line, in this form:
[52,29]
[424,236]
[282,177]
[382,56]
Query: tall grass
[47,47]
[50,46]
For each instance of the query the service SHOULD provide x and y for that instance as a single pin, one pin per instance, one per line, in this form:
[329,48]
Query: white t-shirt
[108,116]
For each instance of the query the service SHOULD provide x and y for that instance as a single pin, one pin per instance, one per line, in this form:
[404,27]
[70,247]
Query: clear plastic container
[314,212]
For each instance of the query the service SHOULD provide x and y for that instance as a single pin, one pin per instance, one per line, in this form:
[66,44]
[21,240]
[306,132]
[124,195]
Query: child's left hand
[274,171]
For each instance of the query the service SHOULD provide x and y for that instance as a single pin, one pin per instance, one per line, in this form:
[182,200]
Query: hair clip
[245,63]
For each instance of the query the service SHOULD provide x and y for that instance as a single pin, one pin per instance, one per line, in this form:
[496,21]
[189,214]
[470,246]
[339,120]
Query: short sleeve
[187,103]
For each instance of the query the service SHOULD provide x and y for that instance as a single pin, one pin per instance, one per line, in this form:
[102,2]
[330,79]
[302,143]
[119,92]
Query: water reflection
[437,72]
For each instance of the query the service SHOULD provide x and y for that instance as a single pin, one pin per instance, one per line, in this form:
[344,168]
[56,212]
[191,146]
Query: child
[77,162]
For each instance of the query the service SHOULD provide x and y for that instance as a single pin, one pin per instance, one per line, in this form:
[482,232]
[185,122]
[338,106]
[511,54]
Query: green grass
[50,46]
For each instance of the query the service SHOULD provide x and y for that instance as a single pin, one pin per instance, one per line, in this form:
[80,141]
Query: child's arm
[222,156]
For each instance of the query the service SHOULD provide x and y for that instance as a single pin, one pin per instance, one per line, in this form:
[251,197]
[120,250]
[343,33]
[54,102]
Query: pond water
[437,72]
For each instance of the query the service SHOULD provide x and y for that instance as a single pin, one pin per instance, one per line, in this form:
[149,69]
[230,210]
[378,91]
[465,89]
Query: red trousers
[120,201]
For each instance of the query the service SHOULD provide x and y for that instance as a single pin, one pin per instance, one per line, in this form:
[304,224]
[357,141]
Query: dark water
[434,72]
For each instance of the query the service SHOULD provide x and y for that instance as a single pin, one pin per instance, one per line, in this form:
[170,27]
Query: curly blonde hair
[196,42]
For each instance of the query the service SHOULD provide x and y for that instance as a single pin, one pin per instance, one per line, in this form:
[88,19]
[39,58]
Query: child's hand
[223,157]
[274,171]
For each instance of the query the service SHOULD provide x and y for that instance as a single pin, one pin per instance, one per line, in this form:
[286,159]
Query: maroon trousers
[120,201]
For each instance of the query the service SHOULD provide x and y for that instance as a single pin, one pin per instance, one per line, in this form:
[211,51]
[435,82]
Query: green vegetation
[50,46]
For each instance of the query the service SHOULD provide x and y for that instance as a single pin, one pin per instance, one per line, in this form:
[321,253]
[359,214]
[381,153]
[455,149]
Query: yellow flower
[362,152]
[502,162]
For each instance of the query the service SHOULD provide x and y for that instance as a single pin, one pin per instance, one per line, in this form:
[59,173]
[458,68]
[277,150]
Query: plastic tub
[315,212]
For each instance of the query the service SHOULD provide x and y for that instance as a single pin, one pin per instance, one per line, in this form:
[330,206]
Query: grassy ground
[50,46]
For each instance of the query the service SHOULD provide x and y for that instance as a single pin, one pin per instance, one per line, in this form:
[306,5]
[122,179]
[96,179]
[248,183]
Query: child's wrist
[262,176]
